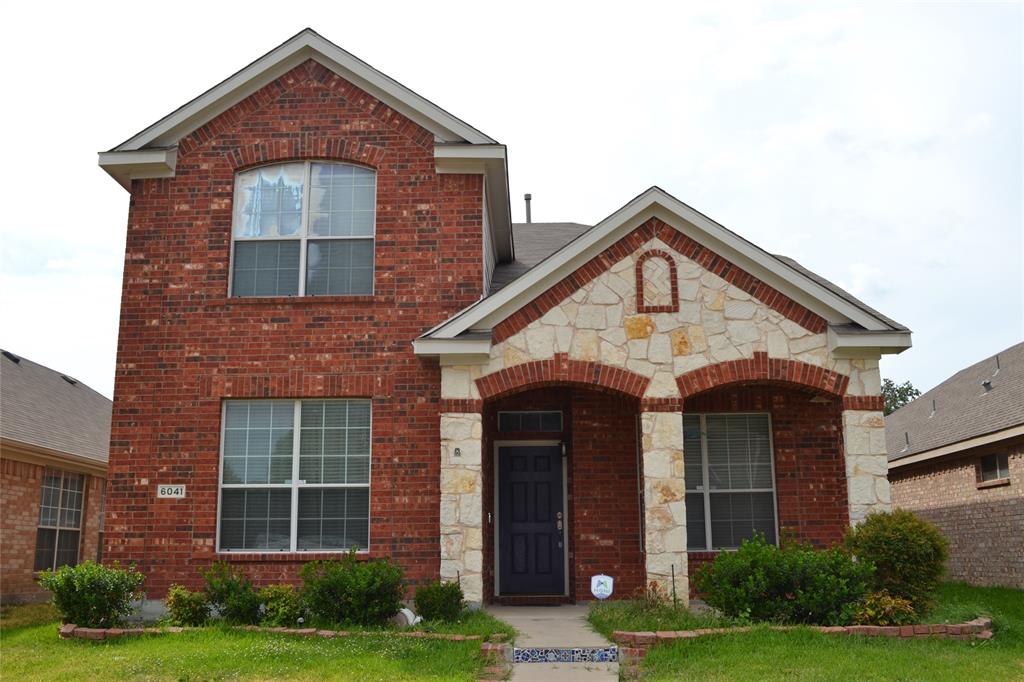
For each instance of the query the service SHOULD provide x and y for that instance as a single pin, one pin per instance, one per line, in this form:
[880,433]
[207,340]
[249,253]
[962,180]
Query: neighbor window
[730,484]
[304,229]
[60,520]
[295,475]
[995,467]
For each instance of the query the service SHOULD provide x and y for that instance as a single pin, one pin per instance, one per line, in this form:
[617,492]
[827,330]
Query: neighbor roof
[963,408]
[43,408]
[521,283]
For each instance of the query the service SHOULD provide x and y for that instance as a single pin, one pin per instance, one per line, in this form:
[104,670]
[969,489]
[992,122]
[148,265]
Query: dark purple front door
[531,554]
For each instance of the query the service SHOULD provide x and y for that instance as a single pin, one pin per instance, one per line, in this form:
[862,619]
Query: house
[333,336]
[54,440]
[956,457]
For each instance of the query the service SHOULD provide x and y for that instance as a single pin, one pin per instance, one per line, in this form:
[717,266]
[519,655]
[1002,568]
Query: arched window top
[657,285]
[304,229]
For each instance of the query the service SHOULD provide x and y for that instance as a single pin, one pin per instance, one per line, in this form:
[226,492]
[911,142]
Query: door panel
[531,553]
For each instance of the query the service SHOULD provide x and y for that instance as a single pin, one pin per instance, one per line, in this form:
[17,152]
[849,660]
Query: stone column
[867,467]
[461,502]
[664,501]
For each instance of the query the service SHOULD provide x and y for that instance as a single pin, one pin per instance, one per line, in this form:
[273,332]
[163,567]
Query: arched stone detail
[642,305]
[561,370]
[302,148]
[762,368]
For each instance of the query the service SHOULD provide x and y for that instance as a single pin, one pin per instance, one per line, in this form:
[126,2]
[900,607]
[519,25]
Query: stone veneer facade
[716,332]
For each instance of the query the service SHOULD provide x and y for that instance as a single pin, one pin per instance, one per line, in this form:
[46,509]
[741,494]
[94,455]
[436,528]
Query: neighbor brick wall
[810,471]
[604,503]
[184,346]
[984,525]
[20,493]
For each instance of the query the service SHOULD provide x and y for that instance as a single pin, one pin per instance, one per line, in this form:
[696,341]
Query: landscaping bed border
[633,646]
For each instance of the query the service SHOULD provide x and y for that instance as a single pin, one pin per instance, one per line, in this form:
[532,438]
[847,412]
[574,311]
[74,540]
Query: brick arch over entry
[762,368]
[564,371]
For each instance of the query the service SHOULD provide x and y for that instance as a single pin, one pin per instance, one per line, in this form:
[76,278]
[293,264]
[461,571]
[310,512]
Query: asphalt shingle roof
[963,407]
[41,407]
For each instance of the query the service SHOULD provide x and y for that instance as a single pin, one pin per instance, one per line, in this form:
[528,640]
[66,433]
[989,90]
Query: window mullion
[296,439]
[707,480]
[304,227]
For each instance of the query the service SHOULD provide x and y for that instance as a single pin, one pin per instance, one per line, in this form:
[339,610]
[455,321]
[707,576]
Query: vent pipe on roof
[997,366]
[934,408]
[528,197]
[987,383]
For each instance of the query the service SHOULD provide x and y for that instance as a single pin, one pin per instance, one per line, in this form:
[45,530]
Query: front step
[532,600]
[579,654]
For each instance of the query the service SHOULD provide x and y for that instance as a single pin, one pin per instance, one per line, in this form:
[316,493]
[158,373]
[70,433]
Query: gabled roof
[306,44]
[964,409]
[852,322]
[44,409]
[534,242]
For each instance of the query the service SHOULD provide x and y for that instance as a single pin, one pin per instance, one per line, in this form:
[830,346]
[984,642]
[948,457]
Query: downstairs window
[295,476]
[730,480]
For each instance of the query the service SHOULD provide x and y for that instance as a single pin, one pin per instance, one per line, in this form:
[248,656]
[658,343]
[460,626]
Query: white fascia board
[856,344]
[305,45]
[953,448]
[655,202]
[137,165]
[488,160]
[477,348]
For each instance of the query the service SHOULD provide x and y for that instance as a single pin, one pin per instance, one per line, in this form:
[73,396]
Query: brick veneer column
[461,502]
[867,467]
[664,501]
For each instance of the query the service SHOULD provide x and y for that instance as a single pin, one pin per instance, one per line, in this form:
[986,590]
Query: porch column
[664,501]
[867,466]
[461,502]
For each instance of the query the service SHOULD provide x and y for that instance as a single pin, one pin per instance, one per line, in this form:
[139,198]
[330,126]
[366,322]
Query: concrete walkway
[555,627]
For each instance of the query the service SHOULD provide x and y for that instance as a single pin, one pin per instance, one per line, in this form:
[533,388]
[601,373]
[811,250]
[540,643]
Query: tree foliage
[898,395]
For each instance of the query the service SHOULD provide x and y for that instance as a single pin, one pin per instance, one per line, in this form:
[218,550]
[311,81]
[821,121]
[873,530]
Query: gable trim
[307,44]
[657,203]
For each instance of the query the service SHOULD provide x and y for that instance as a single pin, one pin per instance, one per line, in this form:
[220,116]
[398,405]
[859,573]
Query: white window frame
[705,488]
[58,527]
[303,237]
[295,484]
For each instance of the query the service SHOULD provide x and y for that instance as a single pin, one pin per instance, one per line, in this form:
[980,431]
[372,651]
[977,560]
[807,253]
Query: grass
[638,616]
[763,654]
[31,650]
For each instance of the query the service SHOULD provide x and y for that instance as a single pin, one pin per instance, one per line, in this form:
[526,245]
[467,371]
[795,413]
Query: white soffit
[657,203]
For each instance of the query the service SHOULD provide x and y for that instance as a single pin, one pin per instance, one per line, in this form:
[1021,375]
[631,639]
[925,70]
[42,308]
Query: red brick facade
[984,522]
[185,346]
[20,494]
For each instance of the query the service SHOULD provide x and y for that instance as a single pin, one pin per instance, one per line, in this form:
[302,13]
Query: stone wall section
[664,501]
[866,463]
[461,502]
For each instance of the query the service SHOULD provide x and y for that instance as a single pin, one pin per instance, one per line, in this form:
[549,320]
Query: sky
[880,144]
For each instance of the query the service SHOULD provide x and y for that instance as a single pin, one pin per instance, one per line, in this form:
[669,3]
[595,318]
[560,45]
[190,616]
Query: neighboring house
[333,336]
[54,440]
[956,457]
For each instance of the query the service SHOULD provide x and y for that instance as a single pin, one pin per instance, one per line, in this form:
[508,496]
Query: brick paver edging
[634,645]
[72,631]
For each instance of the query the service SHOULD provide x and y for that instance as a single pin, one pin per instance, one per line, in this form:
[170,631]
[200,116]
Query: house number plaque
[173,491]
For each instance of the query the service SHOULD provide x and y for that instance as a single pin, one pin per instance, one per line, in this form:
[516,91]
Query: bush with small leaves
[439,601]
[352,590]
[232,594]
[909,555]
[882,608]
[92,595]
[187,607]
[282,605]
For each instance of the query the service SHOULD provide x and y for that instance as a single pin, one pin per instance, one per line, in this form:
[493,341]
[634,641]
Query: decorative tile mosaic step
[586,654]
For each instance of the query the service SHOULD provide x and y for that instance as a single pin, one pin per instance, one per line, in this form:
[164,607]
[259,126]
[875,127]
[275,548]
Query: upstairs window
[994,468]
[304,229]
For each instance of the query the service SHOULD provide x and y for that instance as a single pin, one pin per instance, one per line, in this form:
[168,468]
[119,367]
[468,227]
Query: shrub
[909,555]
[282,605]
[796,584]
[92,595]
[231,592]
[439,601]
[882,608]
[353,591]
[187,607]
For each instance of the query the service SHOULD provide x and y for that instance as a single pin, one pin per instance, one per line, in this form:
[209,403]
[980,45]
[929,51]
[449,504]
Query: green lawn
[806,655]
[31,650]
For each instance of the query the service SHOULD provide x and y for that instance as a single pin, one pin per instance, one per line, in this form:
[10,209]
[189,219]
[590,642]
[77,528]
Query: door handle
[558,525]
